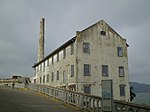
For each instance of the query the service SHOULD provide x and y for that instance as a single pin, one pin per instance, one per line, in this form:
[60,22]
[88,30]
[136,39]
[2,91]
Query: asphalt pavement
[20,100]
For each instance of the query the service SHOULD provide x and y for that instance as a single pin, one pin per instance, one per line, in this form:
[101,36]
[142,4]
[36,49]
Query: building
[96,53]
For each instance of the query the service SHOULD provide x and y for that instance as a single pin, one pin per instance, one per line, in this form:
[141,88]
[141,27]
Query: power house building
[96,53]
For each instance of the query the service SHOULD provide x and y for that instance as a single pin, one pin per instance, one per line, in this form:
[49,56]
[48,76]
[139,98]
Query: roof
[72,40]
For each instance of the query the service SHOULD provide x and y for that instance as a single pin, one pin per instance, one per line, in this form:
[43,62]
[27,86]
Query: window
[52,78]
[103,33]
[52,59]
[47,62]
[47,78]
[86,48]
[120,51]
[57,75]
[64,77]
[72,49]
[34,81]
[40,67]
[44,67]
[87,89]
[57,57]
[72,70]
[40,80]
[64,53]
[105,71]
[87,69]
[44,79]
[122,90]
[121,71]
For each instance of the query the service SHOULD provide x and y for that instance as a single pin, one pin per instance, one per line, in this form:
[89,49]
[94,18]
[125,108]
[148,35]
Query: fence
[84,101]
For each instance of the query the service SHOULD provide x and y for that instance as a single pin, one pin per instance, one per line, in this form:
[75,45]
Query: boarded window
[105,71]
[87,70]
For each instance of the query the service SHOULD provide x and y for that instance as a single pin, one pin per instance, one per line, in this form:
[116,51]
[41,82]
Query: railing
[84,101]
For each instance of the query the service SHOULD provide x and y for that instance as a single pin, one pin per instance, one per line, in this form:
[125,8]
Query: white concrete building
[96,53]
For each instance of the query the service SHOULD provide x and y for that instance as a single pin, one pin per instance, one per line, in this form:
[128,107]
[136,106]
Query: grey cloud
[19,30]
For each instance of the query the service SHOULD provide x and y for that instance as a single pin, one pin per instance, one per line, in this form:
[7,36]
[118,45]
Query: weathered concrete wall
[103,51]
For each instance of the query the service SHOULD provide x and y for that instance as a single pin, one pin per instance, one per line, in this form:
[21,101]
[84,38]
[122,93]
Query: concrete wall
[103,51]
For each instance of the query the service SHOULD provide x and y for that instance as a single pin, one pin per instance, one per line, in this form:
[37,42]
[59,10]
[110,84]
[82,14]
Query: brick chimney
[41,40]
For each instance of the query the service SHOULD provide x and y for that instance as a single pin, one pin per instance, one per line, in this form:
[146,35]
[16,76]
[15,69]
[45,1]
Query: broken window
[86,48]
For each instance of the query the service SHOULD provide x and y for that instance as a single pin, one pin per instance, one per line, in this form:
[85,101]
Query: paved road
[17,100]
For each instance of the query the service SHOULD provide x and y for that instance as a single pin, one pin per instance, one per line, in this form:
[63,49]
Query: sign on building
[107,96]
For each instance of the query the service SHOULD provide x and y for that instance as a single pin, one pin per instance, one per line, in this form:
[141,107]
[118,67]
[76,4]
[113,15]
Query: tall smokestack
[41,40]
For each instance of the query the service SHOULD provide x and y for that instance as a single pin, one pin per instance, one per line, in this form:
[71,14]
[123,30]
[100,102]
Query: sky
[20,25]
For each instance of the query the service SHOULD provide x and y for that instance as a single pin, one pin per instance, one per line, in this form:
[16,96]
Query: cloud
[19,30]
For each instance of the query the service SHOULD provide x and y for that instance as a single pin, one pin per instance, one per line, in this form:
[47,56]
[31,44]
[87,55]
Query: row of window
[87,72]
[86,49]
[57,76]
[56,58]
[62,55]
[87,89]
[105,70]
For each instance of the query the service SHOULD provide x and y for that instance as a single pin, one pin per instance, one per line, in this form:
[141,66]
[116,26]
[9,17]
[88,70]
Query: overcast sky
[20,22]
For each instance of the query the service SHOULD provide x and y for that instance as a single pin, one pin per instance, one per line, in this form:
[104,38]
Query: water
[142,98]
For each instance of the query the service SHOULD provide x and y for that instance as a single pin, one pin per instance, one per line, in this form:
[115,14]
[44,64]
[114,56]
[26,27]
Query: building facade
[96,53]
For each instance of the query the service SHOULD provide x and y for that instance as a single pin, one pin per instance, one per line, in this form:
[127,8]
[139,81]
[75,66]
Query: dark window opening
[103,33]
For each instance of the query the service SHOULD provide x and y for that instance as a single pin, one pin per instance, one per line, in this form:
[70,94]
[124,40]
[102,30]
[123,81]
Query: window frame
[121,71]
[52,76]
[47,78]
[86,47]
[122,90]
[57,75]
[120,51]
[87,70]
[87,89]
[105,70]
[72,71]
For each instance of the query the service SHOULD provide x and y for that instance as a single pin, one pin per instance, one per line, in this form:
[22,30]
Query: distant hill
[139,87]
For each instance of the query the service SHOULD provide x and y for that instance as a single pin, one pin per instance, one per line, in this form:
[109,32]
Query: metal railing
[84,101]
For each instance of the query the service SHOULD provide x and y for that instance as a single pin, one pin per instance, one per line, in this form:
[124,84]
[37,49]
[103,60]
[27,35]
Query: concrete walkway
[19,100]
